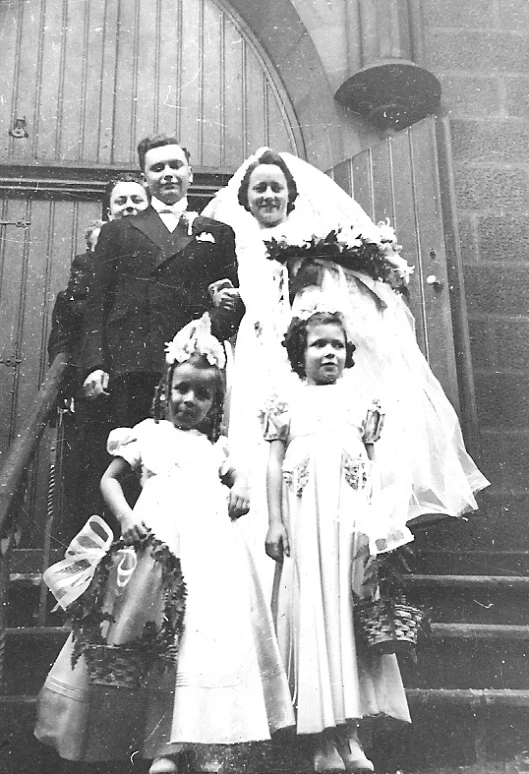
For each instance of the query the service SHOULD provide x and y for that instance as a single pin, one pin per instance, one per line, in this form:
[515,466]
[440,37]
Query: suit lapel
[152,226]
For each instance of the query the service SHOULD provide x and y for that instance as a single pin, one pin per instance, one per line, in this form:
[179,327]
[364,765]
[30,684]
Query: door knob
[432,280]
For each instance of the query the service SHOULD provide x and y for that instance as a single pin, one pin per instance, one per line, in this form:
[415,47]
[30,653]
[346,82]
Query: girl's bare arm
[131,528]
[277,543]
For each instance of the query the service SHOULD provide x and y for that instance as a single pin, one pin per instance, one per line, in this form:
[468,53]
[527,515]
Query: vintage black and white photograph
[264,378]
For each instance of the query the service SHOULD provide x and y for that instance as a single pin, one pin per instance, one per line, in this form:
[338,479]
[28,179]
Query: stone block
[504,237]
[453,13]
[512,344]
[512,14]
[499,289]
[503,400]
[491,188]
[517,96]
[505,459]
[482,343]
[467,238]
[471,95]
[479,52]
[492,141]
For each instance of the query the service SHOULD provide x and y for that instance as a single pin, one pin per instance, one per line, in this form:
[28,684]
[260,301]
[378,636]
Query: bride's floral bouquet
[347,247]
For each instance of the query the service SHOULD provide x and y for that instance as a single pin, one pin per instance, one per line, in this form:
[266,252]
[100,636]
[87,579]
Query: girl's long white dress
[229,685]
[330,518]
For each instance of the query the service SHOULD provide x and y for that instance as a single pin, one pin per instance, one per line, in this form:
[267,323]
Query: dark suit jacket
[149,283]
[69,308]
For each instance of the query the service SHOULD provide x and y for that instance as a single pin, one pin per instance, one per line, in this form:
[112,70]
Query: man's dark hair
[157,141]
[273,158]
[123,177]
[295,340]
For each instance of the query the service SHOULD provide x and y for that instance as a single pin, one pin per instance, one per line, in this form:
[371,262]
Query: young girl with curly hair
[326,520]
[228,684]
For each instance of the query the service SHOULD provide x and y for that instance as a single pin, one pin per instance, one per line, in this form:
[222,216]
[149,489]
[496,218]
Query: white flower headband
[196,338]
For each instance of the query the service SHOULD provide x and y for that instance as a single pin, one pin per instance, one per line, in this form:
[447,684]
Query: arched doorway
[88,79]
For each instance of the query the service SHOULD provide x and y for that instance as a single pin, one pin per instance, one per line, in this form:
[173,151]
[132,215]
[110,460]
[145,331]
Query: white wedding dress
[421,449]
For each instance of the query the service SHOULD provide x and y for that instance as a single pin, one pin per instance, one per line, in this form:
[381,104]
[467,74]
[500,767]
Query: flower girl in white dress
[228,684]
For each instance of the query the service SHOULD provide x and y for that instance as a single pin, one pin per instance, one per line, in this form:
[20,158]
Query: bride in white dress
[280,197]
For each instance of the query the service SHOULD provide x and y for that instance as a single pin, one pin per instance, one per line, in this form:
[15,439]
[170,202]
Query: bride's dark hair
[273,158]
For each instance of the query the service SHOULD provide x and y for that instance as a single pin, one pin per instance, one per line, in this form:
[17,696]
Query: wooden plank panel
[433,257]
[171,51]
[407,228]
[190,91]
[27,88]
[233,96]
[363,181]
[279,132]
[107,78]
[147,69]
[212,106]
[123,141]
[51,78]
[93,117]
[382,182]
[255,103]
[9,29]
[70,120]
[341,174]
[13,243]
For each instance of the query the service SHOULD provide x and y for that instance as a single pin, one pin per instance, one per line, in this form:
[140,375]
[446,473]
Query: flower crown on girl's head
[195,338]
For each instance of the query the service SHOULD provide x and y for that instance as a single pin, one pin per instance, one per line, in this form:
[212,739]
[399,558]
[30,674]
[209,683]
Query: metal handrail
[21,450]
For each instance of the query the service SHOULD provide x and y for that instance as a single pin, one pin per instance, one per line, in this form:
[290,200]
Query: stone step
[29,654]
[450,730]
[471,598]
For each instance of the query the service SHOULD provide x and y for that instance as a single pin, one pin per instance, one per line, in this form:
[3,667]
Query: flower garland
[351,250]
[155,646]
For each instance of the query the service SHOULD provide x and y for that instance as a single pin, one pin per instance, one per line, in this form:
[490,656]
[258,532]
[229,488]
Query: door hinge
[11,361]
[16,223]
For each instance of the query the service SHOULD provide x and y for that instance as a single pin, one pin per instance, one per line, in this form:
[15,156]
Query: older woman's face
[127,198]
[268,195]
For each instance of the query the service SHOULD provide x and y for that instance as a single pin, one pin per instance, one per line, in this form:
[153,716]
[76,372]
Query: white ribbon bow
[68,579]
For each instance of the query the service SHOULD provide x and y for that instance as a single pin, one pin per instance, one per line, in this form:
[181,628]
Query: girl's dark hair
[123,177]
[273,158]
[295,340]
[212,423]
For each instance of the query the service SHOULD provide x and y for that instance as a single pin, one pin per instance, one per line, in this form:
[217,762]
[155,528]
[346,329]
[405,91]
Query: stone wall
[479,49]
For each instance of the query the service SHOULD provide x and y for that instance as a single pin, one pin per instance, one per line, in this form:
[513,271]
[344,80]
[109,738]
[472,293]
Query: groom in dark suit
[152,274]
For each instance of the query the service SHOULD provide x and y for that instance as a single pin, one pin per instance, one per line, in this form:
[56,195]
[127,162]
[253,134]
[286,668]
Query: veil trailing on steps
[421,451]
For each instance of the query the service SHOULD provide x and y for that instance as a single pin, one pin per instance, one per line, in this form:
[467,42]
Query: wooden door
[89,79]
[406,178]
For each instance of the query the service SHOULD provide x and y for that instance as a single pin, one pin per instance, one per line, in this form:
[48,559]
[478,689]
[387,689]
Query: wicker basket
[387,626]
[115,666]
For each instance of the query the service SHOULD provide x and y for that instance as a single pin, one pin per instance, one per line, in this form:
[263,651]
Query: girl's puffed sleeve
[275,420]
[223,455]
[123,442]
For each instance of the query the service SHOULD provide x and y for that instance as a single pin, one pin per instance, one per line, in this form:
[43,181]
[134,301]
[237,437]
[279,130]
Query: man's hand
[226,298]
[276,544]
[95,384]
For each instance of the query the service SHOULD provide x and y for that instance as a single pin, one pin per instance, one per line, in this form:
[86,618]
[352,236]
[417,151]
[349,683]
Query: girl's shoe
[352,753]
[209,759]
[326,756]
[163,766]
